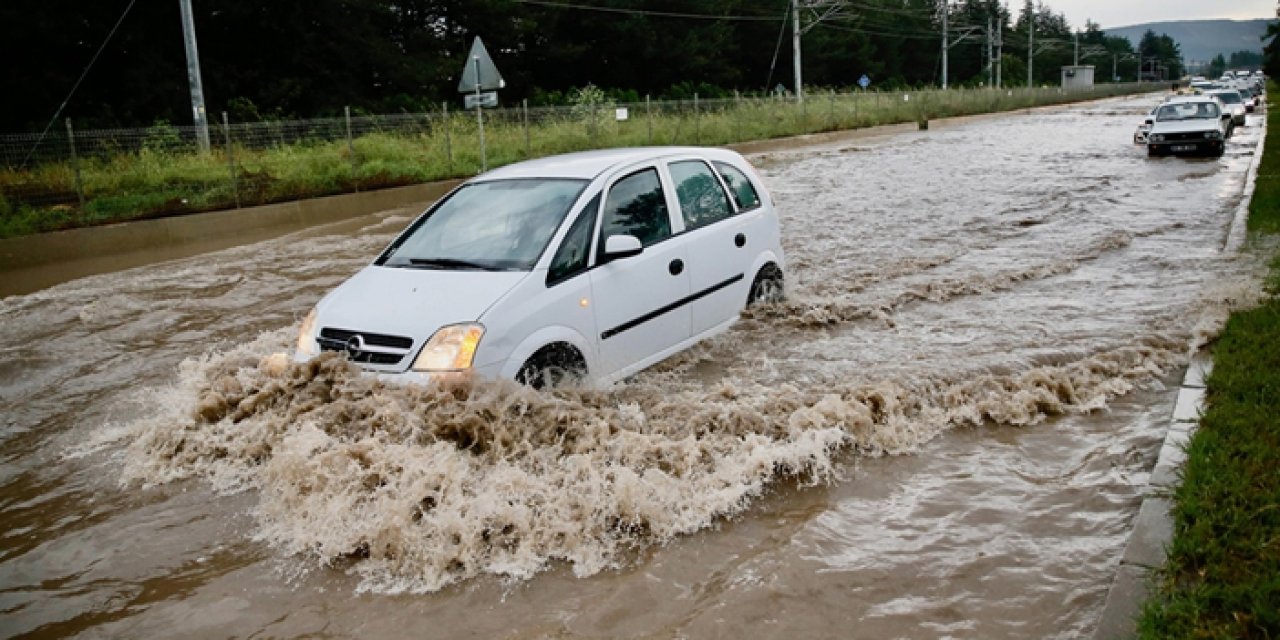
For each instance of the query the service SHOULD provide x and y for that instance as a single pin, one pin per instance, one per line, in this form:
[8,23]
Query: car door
[719,242]
[640,301]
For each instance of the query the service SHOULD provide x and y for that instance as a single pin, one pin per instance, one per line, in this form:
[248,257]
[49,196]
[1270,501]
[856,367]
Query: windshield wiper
[451,263]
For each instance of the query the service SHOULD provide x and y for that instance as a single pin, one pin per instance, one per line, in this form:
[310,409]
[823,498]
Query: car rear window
[744,193]
[702,199]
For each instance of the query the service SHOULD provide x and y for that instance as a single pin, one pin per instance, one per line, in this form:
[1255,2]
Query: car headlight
[1157,137]
[1213,135]
[307,345]
[451,348]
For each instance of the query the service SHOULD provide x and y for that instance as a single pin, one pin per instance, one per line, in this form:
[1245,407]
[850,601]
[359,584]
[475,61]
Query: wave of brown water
[1019,271]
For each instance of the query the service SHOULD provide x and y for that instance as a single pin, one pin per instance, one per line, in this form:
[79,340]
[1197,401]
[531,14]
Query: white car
[588,266]
[1189,125]
[1140,135]
[1233,103]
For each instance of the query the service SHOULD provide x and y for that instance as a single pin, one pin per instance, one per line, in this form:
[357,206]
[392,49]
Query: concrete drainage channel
[1153,528]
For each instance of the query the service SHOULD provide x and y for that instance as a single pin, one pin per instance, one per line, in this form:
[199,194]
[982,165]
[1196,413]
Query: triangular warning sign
[480,70]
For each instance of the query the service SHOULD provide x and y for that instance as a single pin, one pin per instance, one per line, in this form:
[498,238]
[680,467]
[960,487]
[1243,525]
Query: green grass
[1222,576]
[159,180]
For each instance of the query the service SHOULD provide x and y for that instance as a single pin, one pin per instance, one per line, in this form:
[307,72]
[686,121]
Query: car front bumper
[1188,147]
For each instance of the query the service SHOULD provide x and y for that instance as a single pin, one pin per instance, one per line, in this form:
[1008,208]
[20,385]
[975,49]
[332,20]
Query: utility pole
[999,50]
[991,62]
[1077,50]
[795,48]
[1031,45]
[1115,77]
[946,10]
[193,77]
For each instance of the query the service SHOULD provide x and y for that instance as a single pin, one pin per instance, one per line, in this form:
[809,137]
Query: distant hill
[1201,40]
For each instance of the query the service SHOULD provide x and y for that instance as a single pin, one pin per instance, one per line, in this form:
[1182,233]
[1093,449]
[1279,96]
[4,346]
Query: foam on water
[414,488]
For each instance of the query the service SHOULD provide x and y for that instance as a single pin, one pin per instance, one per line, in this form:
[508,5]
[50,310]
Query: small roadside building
[1077,77]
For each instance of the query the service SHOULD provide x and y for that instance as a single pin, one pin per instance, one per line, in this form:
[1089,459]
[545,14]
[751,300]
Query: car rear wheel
[556,365]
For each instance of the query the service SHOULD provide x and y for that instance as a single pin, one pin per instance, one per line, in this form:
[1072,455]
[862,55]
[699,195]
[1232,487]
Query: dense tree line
[1239,60]
[296,58]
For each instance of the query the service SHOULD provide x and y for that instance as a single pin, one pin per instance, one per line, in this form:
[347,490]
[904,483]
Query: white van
[587,266]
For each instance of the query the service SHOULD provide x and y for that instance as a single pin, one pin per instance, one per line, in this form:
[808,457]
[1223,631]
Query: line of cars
[1198,120]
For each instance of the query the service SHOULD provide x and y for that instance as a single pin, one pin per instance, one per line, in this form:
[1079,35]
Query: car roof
[587,165]
[1191,99]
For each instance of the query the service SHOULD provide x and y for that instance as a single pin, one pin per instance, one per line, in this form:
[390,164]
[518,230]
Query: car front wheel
[555,365]
[767,286]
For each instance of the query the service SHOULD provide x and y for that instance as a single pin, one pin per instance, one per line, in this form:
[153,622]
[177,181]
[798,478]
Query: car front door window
[637,206]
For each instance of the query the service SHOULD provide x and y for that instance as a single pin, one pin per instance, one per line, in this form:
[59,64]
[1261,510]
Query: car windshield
[1228,97]
[501,225]
[1187,111]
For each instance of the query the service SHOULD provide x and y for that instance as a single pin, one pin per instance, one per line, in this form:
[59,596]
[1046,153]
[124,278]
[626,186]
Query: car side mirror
[619,247]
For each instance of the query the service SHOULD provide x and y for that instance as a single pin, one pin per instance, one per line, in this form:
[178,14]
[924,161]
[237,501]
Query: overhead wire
[79,80]
[645,12]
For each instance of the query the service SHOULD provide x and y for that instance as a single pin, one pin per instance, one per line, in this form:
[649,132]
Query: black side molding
[631,324]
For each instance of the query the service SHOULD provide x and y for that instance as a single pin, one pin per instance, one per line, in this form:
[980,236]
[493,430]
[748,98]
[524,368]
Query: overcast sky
[1122,13]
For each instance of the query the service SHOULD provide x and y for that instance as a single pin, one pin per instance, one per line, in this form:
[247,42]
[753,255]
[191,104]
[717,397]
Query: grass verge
[1222,576]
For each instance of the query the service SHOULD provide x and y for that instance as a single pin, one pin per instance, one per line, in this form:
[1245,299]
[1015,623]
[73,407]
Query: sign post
[480,75]
[484,160]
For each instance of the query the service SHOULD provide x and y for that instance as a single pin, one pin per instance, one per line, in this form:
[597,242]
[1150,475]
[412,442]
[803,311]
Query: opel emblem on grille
[354,345]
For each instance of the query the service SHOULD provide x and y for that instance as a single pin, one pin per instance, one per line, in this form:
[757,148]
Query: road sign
[486,99]
[864,81]
[479,70]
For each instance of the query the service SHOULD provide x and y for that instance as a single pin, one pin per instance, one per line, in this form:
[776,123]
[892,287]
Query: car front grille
[1197,136]
[378,349]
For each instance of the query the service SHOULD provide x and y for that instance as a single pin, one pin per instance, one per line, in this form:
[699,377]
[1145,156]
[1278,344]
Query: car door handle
[676,267]
[740,240]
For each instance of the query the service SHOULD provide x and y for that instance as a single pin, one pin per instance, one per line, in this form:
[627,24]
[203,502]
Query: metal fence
[85,176]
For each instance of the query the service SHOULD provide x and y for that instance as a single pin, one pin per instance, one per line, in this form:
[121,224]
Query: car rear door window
[637,206]
[702,199]
[744,193]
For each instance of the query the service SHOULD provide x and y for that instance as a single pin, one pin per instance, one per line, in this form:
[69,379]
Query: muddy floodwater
[944,432]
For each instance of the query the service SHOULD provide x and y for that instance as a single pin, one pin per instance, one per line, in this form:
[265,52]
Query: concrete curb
[1239,225]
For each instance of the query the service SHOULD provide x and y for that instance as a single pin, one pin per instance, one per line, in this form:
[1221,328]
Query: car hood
[412,302]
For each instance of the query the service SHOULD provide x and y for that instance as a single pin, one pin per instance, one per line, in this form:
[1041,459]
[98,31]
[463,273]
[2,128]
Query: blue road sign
[864,81]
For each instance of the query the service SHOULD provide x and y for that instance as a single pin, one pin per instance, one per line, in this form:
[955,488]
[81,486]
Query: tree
[1217,66]
[1245,60]
[1161,57]
[1272,50]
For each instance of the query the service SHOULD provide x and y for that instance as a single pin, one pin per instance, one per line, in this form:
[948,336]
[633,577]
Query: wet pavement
[944,432]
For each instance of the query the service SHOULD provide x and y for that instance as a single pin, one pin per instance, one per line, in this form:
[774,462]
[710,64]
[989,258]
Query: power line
[77,84]
[644,12]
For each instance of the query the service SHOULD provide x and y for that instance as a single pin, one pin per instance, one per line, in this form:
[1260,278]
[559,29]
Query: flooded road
[944,432]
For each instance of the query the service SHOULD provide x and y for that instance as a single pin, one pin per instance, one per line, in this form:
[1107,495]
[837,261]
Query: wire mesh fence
[71,177]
